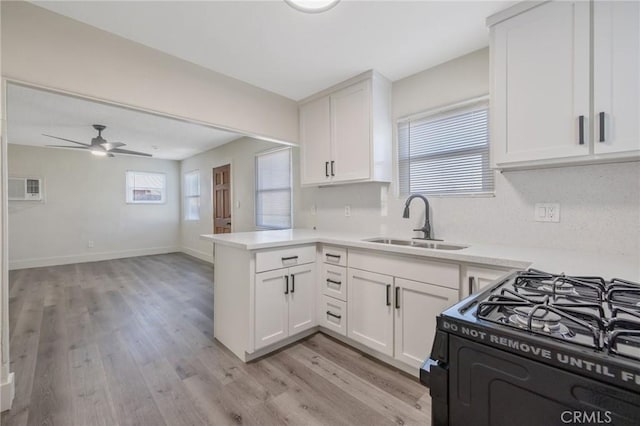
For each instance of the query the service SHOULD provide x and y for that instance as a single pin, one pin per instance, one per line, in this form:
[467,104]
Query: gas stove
[541,338]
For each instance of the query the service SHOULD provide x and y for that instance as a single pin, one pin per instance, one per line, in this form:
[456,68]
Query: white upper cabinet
[542,113]
[616,79]
[315,132]
[345,133]
[350,133]
[540,87]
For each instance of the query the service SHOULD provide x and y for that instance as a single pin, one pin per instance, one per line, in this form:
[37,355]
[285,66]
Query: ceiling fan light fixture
[98,153]
[312,6]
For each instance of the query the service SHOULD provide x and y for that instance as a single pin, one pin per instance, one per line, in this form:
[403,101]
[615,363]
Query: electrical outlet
[90,244]
[347,210]
[547,212]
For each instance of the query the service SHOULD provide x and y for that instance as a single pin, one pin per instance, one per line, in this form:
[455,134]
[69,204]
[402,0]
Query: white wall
[600,204]
[85,200]
[44,48]
[241,155]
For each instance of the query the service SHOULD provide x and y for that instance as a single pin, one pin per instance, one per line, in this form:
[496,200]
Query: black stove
[539,348]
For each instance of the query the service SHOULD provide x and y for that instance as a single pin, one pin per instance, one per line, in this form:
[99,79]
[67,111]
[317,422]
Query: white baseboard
[7,392]
[202,255]
[87,257]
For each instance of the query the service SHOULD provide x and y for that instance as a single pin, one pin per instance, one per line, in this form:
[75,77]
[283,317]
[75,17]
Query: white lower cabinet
[475,278]
[416,306]
[284,303]
[370,310]
[333,315]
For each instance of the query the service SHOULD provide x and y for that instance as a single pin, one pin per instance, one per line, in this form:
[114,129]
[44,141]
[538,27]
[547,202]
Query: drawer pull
[286,284]
[581,130]
[388,288]
[330,281]
[335,256]
[284,259]
[331,314]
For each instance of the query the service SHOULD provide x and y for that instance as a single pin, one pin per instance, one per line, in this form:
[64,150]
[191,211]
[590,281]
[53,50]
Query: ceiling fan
[99,146]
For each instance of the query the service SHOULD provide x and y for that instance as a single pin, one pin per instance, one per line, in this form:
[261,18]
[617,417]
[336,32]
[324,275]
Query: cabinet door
[351,132]
[476,279]
[271,310]
[540,83]
[302,298]
[315,141]
[416,306]
[617,76]
[370,310]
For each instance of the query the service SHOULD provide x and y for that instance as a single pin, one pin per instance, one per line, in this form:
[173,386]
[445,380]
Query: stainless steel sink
[433,245]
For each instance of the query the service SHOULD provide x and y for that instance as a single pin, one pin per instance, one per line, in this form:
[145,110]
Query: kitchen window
[146,187]
[192,195]
[446,152]
[273,189]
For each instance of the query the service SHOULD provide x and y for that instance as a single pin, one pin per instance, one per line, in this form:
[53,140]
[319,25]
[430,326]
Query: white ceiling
[32,112]
[275,47]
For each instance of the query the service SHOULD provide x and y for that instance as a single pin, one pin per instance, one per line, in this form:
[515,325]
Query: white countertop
[552,260]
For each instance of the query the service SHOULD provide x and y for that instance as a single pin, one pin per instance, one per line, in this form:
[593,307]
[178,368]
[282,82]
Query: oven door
[488,386]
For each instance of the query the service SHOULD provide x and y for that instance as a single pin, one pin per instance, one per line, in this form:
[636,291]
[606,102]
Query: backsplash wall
[599,204]
[599,210]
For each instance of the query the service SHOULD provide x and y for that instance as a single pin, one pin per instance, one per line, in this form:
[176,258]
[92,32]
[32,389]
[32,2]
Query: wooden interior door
[222,199]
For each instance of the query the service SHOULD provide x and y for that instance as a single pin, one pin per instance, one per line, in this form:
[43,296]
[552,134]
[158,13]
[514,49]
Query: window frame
[129,199]
[257,192]
[434,114]
[186,197]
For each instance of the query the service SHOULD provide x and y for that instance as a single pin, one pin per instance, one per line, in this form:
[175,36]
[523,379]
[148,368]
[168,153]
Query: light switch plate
[547,212]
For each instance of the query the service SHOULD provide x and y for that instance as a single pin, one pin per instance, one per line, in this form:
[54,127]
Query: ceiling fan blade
[126,151]
[112,145]
[110,155]
[67,146]
[68,140]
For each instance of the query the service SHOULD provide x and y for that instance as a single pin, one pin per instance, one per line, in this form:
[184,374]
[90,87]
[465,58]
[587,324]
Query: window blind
[146,187]
[446,153]
[273,189]
[192,195]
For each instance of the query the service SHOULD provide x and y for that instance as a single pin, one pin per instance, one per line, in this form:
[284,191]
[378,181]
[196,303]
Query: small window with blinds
[192,195]
[146,188]
[273,189]
[446,153]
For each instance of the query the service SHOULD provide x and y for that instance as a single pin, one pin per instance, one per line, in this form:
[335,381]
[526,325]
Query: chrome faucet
[426,229]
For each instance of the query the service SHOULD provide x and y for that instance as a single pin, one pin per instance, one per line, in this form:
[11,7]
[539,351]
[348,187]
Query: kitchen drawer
[334,255]
[333,315]
[410,267]
[334,281]
[267,260]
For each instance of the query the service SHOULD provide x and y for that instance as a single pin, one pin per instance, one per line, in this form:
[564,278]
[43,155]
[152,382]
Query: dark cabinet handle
[286,284]
[601,117]
[581,130]
[332,171]
[397,297]
[331,314]
[335,256]
[388,288]
[293,283]
[330,281]
[326,168]
[228,223]
[284,259]
[471,284]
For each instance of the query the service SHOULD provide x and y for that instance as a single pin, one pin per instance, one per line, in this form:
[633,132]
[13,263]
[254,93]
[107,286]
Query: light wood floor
[129,342]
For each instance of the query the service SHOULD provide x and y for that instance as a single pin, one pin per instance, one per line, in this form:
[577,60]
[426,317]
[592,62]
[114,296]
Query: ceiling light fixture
[312,6]
[98,153]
